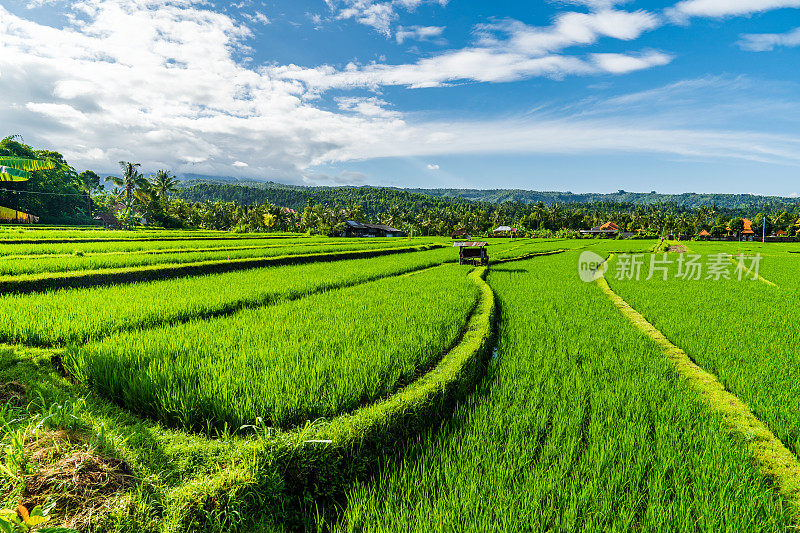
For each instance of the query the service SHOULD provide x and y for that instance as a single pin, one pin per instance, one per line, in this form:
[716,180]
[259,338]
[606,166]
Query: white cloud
[418,33]
[377,15]
[240,164]
[433,167]
[157,82]
[366,106]
[764,42]
[505,51]
[793,195]
[622,63]
[257,18]
[682,11]
[582,136]
[568,29]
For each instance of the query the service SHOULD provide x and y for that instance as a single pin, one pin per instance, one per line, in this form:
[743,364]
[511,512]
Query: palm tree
[164,183]
[131,180]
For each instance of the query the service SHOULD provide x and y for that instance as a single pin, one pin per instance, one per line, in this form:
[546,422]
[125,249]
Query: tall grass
[69,315]
[301,360]
[581,425]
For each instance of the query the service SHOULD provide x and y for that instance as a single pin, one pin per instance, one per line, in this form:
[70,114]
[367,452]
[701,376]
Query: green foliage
[19,520]
[58,191]
[753,346]
[26,264]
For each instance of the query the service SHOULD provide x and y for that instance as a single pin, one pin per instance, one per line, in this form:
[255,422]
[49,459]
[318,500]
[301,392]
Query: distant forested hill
[375,199]
[688,200]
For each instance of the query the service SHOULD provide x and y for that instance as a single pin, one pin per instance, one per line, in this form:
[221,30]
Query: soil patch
[12,392]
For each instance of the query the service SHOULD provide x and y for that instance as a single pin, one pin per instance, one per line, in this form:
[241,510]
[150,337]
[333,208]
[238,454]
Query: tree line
[63,195]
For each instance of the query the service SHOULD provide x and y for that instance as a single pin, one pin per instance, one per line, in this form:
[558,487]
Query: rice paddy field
[170,381]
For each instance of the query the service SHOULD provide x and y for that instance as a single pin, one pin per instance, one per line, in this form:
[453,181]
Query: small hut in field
[504,231]
[472,253]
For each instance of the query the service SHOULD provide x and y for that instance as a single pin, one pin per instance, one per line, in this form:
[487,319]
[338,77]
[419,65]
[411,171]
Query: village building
[609,228]
[747,233]
[359,229]
[108,220]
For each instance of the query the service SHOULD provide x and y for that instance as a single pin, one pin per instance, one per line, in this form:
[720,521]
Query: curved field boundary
[92,278]
[776,461]
[150,322]
[526,256]
[318,461]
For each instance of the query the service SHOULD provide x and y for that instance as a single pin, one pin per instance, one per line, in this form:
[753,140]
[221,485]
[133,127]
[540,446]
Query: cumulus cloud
[433,167]
[418,33]
[686,9]
[764,42]
[158,82]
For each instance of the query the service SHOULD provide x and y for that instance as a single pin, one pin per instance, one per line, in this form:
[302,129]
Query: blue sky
[579,95]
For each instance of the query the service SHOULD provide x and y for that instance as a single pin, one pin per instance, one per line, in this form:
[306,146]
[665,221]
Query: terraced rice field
[392,389]
[575,428]
[314,357]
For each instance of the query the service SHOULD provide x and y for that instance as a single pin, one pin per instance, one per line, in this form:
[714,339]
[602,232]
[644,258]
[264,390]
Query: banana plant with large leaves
[19,168]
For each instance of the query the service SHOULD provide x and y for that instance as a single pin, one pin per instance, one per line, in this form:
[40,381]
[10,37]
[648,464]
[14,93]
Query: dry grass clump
[75,475]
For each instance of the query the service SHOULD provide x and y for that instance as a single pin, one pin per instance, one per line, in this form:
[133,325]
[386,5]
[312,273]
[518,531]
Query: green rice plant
[38,250]
[39,237]
[310,358]
[743,332]
[46,281]
[73,263]
[581,425]
[69,315]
